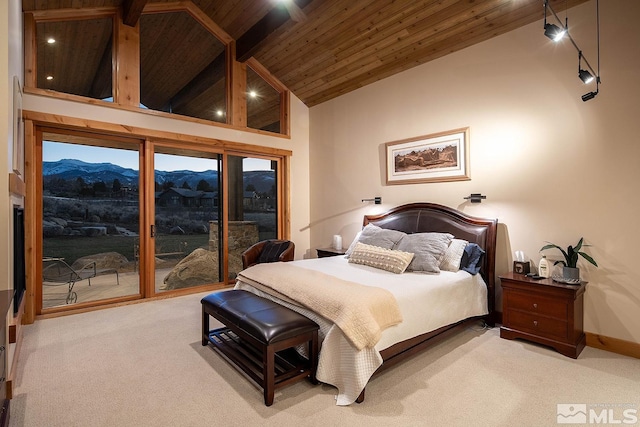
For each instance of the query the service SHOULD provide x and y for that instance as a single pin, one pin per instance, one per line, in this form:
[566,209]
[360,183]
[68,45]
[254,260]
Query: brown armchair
[268,251]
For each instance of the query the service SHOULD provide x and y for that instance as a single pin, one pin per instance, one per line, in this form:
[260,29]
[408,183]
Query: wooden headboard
[426,217]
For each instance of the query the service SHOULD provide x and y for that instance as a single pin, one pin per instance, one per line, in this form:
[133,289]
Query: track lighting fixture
[552,31]
[555,33]
[584,75]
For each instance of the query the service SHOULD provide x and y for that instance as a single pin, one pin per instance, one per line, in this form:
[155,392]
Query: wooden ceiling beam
[212,73]
[101,84]
[250,42]
[131,11]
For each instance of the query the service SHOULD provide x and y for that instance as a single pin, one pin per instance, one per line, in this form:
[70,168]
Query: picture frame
[18,129]
[438,157]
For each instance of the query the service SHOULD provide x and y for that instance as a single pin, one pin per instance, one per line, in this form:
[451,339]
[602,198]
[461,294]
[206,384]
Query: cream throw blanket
[361,312]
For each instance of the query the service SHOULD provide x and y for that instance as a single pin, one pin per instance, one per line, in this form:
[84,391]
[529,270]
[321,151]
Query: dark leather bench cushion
[261,318]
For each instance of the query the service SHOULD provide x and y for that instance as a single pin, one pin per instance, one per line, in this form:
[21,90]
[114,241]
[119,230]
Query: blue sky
[54,151]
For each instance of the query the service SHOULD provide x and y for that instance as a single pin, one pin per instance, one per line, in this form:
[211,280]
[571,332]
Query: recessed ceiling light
[49,77]
[51,40]
[253,94]
[220,113]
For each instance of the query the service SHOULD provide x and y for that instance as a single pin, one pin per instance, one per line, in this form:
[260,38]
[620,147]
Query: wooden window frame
[35,122]
[126,66]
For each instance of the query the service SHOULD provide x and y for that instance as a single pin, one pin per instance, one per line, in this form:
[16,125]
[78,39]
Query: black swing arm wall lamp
[556,33]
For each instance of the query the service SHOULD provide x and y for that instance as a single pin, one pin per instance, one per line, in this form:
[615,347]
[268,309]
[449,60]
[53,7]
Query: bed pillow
[377,257]
[453,255]
[376,236]
[428,249]
[471,258]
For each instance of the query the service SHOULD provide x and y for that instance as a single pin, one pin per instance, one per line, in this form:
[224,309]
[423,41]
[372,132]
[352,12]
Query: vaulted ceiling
[321,49]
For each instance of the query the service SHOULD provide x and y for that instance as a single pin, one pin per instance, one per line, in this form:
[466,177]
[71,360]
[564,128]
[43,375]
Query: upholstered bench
[258,337]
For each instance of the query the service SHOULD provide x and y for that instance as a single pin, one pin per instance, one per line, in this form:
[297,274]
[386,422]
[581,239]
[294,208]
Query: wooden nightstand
[326,252]
[543,311]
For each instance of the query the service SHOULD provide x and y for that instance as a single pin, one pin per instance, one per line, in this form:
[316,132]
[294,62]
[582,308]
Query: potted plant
[570,269]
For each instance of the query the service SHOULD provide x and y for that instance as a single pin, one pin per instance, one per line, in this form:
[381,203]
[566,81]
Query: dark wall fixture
[475,197]
[376,200]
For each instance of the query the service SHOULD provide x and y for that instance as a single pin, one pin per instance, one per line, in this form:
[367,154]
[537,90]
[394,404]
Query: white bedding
[427,302]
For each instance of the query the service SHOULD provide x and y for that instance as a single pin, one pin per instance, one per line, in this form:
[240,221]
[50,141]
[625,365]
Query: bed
[455,298]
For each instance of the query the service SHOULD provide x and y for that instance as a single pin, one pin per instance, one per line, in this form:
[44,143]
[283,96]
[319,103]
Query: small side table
[543,311]
[327,252]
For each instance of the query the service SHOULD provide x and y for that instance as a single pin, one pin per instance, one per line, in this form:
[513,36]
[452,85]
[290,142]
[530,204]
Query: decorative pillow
[384,259]
[376,236]
[428,249]
[271,251]
[471,258]
[453,255]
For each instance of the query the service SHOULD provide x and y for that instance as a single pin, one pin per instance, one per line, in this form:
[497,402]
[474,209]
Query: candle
[337,241]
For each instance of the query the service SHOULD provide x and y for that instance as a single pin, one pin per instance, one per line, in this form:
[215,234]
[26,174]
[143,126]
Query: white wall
[11,65]
[554,168]
[6,114]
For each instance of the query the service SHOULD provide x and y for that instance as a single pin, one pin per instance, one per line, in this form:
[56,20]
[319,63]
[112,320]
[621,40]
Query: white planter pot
[570,273]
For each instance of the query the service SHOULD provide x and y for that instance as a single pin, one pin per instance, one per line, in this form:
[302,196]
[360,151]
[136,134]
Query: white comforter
[427,302]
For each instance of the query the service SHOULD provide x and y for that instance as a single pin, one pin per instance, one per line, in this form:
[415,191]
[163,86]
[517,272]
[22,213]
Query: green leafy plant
[571,254]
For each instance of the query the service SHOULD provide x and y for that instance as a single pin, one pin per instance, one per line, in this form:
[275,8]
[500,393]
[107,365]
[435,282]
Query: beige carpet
[143,365]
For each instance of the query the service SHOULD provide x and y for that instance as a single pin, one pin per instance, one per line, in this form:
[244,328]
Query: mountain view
[71,170]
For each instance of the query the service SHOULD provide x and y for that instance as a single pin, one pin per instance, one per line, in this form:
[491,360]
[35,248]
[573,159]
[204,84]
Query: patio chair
[57,272]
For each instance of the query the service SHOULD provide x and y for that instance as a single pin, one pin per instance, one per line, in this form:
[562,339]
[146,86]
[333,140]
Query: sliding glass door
[187,220]
[90,219]
[253,205]
[122,219]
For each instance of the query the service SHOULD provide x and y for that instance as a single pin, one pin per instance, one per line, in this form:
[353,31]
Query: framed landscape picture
[438,157]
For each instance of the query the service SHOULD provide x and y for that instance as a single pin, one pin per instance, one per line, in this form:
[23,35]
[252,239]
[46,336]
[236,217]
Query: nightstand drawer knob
[535,305]
[535,323]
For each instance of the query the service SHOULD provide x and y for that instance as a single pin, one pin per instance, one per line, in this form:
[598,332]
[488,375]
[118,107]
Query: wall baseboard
[615,345]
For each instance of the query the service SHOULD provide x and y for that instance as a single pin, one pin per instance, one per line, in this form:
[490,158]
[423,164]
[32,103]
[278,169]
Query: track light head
[554,32]
[585,76]
[588,96]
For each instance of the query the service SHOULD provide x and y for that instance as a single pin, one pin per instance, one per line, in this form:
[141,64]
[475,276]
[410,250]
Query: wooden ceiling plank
[306,86]
[131,11]
[245,17]
[330,24]
[533,12]
[449,18]
[432,30]
[348,49]
[488,31]
[249,42]
[195,12]
[209,24]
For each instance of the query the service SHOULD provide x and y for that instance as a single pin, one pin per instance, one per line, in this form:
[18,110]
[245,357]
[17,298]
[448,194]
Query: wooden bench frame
[271,365]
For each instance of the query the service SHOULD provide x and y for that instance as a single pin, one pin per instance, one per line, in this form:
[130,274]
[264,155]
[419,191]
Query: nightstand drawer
[535,324]
[536,304]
